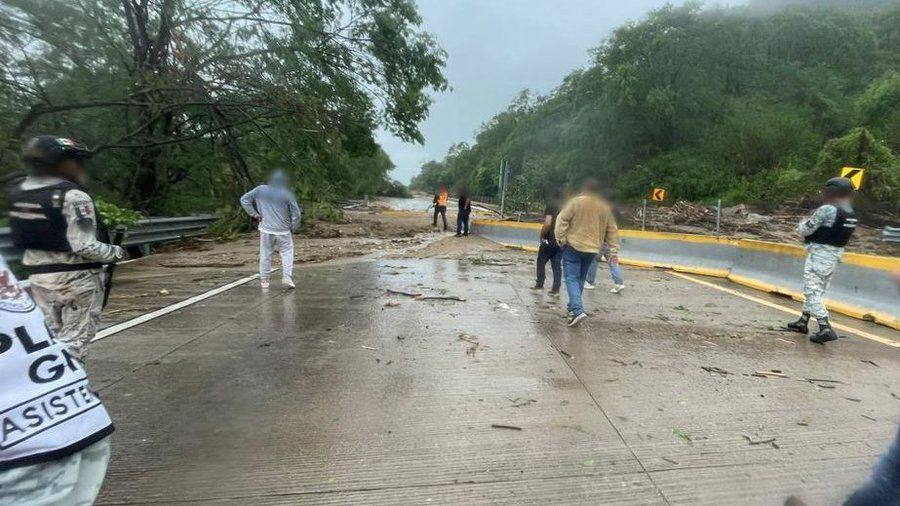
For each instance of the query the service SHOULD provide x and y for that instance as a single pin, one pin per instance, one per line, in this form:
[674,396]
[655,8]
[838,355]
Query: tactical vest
[837,234]
[36,219]
[48,410]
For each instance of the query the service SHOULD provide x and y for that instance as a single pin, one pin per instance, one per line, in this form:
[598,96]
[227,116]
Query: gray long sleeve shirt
[276,208]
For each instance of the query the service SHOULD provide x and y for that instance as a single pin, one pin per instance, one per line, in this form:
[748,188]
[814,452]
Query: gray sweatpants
[70,481]
[268,244]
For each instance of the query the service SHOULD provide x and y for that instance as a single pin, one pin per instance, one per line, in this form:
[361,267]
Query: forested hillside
[759,103]
[189,102]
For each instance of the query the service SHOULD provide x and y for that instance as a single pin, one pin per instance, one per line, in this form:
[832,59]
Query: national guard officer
[55,222]
[825,233]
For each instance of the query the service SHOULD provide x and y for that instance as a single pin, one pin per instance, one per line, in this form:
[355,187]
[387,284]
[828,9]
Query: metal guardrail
[147,231]
[891,234]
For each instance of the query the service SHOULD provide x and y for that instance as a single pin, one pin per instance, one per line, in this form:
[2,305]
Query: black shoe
[554,293]
[458,235]
[577,319]
[824,335]
[537,287]
[798,326]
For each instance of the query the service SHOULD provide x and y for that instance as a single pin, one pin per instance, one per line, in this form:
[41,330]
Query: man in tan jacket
[582,227]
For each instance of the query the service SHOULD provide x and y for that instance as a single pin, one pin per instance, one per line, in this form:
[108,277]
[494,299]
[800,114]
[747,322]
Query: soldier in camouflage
[825,233]
[55,222]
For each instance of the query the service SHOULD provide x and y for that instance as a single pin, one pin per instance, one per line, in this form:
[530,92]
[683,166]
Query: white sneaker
[264,283]
[588,286]
[288,283]
[617,288]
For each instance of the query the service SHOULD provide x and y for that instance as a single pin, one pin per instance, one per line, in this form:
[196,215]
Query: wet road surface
[340,393]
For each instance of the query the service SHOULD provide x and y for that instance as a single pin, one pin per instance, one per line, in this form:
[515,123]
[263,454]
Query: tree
[154,83]
[735,103]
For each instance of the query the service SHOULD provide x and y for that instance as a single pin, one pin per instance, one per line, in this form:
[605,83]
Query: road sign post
[644,216]
[504,182]
[718,216]
[855,176]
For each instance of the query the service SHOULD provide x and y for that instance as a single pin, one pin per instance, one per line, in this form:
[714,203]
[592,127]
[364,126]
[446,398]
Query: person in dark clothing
[462,215]
[549,250]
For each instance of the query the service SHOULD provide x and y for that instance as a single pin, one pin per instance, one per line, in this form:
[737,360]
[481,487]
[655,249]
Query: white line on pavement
[119,327]
[845,328]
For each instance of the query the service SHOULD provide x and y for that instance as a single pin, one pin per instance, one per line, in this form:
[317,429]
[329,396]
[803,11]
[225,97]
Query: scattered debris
[895,396]
[369,348]
[681,307]
[502,426]
[670,461]
[763,441]
[587,463]
[407,294]
[567,355]
[867,417]
[772,373]
[517,403]
[714,369]
[681,435]
[785,340]
[473,341]
[482,260]
[164,292]
[869,362]
[624,363]
[391,303]
[817,381]
[853,399]
[441,297]
[357,296]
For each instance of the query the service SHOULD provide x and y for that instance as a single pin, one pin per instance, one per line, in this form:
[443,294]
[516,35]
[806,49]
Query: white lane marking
[119,327]
[845,328]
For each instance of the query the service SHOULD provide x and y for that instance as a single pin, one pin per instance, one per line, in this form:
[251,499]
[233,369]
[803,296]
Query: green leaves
[733,103]
[189,102]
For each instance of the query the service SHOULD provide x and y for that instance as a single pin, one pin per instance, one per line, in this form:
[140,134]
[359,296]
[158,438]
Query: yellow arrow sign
[658,194]
[854,175]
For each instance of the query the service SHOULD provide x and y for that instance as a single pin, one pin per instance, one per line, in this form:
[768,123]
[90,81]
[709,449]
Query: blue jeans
[576,265]
[884,486]
[615,270]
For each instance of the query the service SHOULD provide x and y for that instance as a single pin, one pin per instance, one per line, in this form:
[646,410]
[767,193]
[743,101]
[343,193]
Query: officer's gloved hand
[121,254]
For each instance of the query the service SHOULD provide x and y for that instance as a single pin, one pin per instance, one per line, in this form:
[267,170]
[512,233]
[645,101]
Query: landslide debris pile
[740,221]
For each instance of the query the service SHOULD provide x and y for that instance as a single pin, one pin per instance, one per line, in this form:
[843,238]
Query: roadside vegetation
[756,104]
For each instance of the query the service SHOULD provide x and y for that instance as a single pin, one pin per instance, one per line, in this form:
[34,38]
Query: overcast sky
[497,48]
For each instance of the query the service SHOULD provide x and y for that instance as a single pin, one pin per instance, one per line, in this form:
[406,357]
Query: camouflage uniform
[72,301]
[821,260]
[70,481]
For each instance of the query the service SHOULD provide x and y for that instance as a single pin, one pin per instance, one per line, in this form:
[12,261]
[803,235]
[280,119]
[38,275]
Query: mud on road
[178,271]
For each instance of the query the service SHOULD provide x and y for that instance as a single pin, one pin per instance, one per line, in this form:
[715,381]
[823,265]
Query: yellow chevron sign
[854,175]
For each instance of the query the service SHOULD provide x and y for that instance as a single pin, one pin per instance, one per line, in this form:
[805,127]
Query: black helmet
[838,186]
[46,151]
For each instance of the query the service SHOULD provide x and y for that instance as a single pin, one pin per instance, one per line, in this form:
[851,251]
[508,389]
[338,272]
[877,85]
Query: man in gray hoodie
[276,209]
